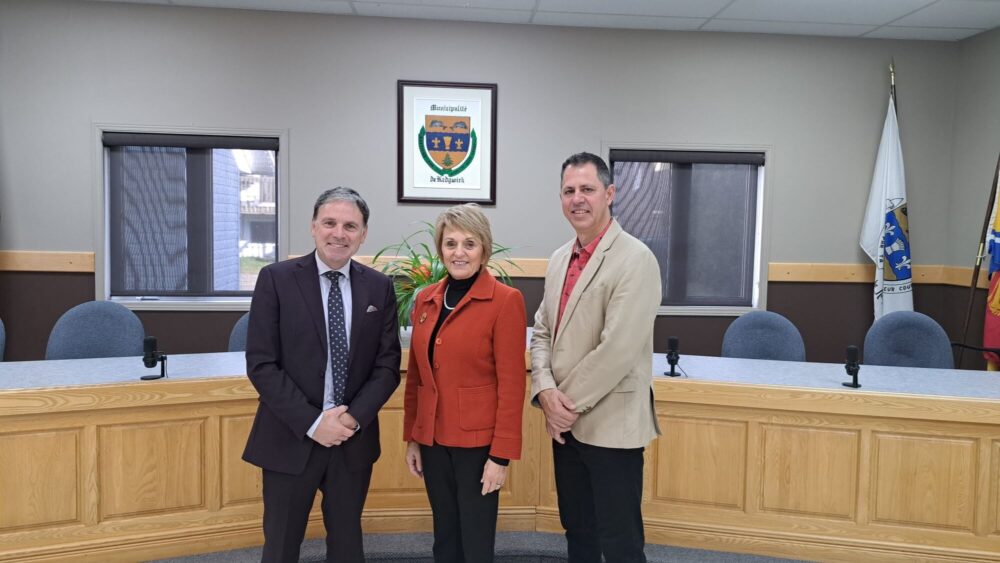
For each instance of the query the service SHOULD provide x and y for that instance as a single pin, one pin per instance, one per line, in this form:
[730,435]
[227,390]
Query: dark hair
[581,158]
[342,194]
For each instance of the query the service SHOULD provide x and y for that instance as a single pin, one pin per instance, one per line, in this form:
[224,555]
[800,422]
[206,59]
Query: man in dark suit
[323,353]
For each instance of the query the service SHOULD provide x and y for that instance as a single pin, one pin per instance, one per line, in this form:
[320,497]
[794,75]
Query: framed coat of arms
[447,142]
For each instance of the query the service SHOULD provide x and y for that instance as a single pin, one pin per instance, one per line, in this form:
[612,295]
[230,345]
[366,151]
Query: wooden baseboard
[240,535]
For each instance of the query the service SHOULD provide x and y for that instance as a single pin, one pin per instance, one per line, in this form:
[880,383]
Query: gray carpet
[511,547]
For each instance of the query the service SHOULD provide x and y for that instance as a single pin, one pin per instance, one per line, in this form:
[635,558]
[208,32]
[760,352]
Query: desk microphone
[852,367]
[151,356]
[673,356]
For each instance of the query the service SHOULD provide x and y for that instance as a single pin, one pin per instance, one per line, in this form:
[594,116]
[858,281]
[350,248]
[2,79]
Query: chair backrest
[3,340]
[96,329]
[908,339]
[238,336]
[763,335]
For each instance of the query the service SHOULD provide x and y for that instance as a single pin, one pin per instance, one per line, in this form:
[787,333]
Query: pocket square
[371,309]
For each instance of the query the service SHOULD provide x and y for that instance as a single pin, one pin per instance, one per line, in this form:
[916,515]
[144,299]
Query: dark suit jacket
[286,362]
[473,395]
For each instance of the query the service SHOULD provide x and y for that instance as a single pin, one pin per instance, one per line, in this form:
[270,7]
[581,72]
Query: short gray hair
[342,194]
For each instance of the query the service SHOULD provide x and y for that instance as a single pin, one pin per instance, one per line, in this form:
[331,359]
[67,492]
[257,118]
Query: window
[700,213]
[188,216]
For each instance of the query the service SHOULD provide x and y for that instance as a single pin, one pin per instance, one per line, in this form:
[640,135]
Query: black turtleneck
[454,291]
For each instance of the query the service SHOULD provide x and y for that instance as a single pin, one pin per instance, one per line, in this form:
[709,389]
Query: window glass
[698,212]
[190,220]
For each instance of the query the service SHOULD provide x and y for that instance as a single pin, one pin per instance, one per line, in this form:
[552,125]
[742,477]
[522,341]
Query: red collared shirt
[577,262]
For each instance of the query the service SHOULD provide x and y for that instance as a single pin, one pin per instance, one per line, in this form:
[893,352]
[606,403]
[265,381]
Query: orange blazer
[473,395]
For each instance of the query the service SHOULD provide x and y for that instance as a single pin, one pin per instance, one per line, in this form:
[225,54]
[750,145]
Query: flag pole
[979,260]
[892,82]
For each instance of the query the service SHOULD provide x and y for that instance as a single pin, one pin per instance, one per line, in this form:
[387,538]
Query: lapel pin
[423,317]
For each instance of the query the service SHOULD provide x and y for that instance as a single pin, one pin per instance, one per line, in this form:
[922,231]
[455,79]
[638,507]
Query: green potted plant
[415,265]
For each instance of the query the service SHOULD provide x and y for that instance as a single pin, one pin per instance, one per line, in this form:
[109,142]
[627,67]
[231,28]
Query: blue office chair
[238,337]
[3,340]
[908,339]
[96,329]
[763,335]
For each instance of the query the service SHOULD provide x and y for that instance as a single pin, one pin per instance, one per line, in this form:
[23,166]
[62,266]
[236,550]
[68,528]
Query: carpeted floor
[512,547]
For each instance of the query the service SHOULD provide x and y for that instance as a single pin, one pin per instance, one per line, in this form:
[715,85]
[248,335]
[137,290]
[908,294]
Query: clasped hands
[336,426]
[559,412]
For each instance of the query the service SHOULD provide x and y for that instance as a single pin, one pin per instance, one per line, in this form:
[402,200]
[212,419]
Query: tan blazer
[601,356]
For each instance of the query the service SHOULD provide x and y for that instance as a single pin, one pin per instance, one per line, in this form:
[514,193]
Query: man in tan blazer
[592,369]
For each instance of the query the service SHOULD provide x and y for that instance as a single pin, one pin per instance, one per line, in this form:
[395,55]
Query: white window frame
[761,231]
[100,191]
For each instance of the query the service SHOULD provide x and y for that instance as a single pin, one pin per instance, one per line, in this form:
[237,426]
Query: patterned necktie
[338,337]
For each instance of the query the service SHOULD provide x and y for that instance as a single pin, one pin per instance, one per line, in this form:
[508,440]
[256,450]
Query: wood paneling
[701,461]
[995,489]
[395,477]
[809,470]
[802,473]
[39,478]
[925,480]
[241,482]
[151,467]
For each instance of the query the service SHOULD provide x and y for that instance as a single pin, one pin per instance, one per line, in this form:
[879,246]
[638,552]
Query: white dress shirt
[345,293]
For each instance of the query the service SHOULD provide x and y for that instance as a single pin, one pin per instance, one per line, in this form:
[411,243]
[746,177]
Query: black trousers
[600,501]
[465,520]
[289,498]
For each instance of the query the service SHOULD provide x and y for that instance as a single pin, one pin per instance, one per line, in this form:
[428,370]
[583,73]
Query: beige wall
[817,103]
[976,145]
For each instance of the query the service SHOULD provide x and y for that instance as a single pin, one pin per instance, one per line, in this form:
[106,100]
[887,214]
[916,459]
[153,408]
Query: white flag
[885,231]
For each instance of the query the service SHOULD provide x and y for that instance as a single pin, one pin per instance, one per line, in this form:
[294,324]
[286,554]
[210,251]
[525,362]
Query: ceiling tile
[978,14]
[442,13]
[925,33]
[163,2]
[491,4]
[788,28]
[627,22]
[870,12]
[312,6]
[671,8]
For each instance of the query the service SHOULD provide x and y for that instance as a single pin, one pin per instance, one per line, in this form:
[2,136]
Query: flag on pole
[885,231]
[991,324]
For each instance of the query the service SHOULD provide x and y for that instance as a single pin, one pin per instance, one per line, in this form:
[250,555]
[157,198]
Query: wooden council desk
[756,456]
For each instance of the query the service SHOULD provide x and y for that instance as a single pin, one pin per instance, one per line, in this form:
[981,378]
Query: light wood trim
[855,403]
[820,272]
[865,273]
[44,261]
[529,268]
[145,394]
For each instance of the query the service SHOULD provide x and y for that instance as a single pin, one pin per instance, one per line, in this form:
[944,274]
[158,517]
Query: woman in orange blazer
[465,388]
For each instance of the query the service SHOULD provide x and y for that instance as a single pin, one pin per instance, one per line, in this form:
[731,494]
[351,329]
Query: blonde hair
[467,217]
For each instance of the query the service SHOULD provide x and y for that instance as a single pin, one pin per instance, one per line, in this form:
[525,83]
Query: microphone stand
[852,367]
[161,358]
[673,356]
